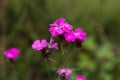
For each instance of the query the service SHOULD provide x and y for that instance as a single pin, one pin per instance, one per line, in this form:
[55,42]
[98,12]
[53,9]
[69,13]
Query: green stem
[68,58]
[15,69]
[62,49]
[48,70]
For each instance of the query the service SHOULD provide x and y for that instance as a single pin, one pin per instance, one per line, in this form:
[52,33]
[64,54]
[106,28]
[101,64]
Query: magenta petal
[52,44]
[55,46]
[69,37]
[79,30]
[35,44]
[60,21]
[51,41]
[51,29]
[82,37]
[44,43]
[59,27]
[12,53]
[54,34]
[80,34]
[60,72]
[39,45]
[65,71]
[55,31]
[68,73]
[53,25]
[67,27]
[79,77]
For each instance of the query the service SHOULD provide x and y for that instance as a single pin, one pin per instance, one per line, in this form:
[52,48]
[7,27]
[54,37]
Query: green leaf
[86,62]
[105,52]
[90,43]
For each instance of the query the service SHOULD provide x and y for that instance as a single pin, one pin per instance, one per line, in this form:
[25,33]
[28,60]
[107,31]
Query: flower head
[79,77]
[69,36]
[64,73]
[39,44]
[59,27]
[52,44]
[12,53]
[80,34]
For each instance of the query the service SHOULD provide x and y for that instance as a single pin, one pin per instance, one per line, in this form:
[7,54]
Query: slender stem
[48,70]
[68,58]
[62,49]
[15,69]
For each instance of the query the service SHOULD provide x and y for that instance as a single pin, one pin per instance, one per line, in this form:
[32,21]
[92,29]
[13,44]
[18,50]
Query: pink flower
[64,73]
[79,77]
[69,36]
[56,31]
[77,35]
[80,34]
[12,53]
[59,27]
[52,44]
[39,45]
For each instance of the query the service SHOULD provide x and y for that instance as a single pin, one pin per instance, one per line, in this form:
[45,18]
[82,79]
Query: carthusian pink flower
[45,47]
[12,53]
[64,73]
[79,77]
[39,44]
[59,27]
[52,44]
[80,35]
[69,36]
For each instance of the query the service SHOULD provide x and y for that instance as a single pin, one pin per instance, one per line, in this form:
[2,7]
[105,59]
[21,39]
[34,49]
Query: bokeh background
[23,21]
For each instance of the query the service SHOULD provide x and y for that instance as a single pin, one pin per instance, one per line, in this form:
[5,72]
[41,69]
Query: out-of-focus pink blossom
[79,77]
[59,27]
[12,53]
[64,73]
[69,36]
[39,44]
[80,34]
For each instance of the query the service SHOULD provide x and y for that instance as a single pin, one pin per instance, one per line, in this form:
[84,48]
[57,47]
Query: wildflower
[69,37]
[80,35]
[52,44]
[64,73]
[79,77]
[12,53]
[39,45]
[47,51]
[59,27]
[75,36]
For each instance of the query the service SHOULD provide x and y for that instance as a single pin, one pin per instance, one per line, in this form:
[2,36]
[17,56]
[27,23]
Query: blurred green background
[22,21]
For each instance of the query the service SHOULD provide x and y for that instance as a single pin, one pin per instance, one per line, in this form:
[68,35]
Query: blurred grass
[21,22]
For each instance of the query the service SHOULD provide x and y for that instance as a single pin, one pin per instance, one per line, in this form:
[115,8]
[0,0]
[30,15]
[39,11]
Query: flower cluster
[65,74]
[44,46]
[62,28]
[59,28]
